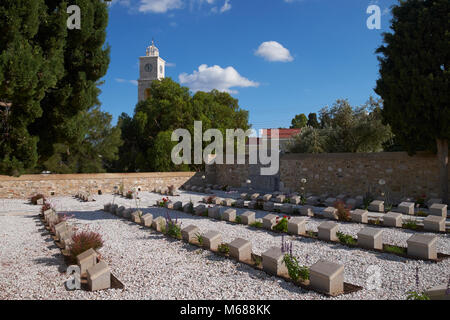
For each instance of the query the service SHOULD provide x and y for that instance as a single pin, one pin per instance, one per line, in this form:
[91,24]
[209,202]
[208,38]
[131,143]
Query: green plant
[295,271]
[224,248]
[394,249]
[281,225]
[421,214]
[346,238]
[287,200]
[256,224]
[311,233]
[256,259]
[238,219]
[199,238]
[413,295]
[410,224]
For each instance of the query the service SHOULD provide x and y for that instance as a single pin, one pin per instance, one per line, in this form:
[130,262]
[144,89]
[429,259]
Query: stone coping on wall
[350,155]
[88,176]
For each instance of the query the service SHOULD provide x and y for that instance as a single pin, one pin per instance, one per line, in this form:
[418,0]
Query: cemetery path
[154,267]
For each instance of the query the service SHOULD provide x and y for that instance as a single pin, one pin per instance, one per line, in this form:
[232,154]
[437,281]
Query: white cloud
[274,51]
[170,64]
[120,80]
[215,77]
[159,6]
[226,6]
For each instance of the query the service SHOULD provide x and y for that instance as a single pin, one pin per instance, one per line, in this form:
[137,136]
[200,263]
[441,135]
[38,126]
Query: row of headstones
[208,188]
[325,276]
[435,221]
[419,246]
[435,205]
[166,191]
[98,273]
[85,196]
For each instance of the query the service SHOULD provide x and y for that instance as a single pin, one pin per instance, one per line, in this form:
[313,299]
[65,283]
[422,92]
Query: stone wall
[68,184]
[349,173]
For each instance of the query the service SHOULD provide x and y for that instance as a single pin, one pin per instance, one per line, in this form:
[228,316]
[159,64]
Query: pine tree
[414,78]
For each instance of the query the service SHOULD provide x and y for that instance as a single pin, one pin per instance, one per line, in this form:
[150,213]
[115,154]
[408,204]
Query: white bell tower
[151,68]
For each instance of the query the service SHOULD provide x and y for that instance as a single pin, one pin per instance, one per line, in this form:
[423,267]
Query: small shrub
[210,199]
[129,194]
[172,227]
[413,295]
[163,202]
[224,248]
[84,240]
[36,197]
[410,224]
[420,201]
[295,271]
[199,238]
[287,200]
[394,249]
[343,212]
[346,238]
[281,225]
[238,219]
[224,188]
[256,224]
[257,259]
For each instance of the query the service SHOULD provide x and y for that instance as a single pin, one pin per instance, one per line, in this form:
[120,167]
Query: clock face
[148,67]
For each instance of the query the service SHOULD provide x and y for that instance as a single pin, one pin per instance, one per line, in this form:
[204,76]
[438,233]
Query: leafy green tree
[31,56]
[299,121]
[414,78]
[312,120]
[346,129]
[85,62]
[147,135]
[95,151]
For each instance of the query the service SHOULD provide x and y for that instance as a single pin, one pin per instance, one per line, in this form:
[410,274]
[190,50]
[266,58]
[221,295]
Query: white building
[151,68]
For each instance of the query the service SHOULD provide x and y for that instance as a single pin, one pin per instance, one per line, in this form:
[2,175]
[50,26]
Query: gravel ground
[154,267]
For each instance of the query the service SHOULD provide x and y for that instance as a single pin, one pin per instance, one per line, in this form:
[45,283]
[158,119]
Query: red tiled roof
[283,133]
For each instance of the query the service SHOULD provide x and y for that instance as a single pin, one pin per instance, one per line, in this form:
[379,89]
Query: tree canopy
[414,78]
[147,135]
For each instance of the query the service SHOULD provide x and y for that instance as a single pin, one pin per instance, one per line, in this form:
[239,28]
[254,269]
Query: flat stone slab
[327,231]
[136,217]
[190,233]
[422,246]
[254,196]
[269,221]
[439,209]
[297,225]
[307,211]
[371,238]
[268,206]
[267,197]
[376,206]
[214,212]
[229,215]
[248,217]
[241,249]
[393,219]
[406,208]
[147,220]
[212,240]
[286,208]
[86,260]
[434,223]
[327,277]
[159,223]
[272,261]
[99,276]
[438,292]
[360,216]
[200,209]
[330,213]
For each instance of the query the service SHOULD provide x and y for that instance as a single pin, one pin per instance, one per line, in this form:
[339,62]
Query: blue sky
[278,57]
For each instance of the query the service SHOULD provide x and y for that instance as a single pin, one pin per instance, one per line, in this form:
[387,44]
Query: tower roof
[152,51]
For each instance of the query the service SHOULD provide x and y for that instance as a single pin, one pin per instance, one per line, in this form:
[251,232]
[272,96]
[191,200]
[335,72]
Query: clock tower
[151,68]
